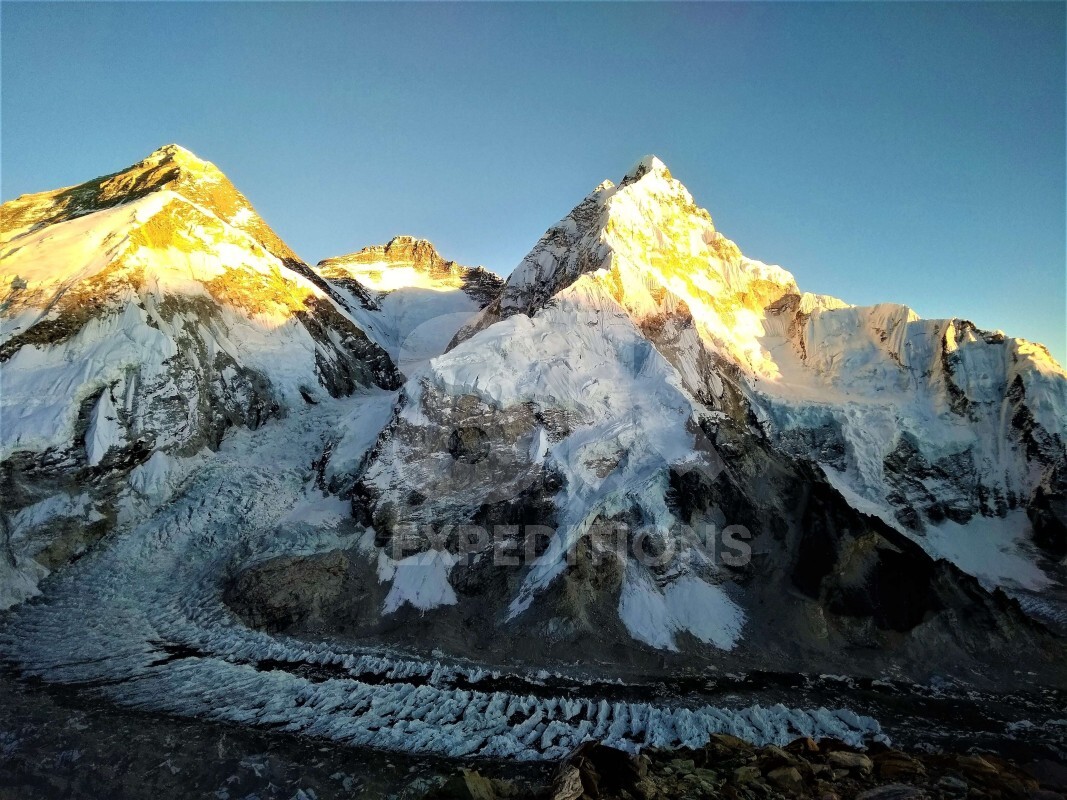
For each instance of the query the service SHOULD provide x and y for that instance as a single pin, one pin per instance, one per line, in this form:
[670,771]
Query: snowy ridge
[403,262]
[161,271]
[149,311]
[924,420]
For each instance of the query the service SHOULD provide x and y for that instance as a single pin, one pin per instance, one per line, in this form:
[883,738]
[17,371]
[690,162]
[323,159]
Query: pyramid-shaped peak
[649,165]
[406,262]
[405,242]
[179,156]
[174,150]
[170,168]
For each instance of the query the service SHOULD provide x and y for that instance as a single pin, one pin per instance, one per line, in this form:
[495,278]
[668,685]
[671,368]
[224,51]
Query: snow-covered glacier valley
[142,622]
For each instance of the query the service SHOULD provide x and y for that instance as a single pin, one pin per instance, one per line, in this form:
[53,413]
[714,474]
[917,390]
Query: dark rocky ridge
[418,253]
[730,769]
[479,283]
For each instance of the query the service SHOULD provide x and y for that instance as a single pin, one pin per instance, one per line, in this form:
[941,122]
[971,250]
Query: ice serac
[638,373]
[408,297]
[148,311]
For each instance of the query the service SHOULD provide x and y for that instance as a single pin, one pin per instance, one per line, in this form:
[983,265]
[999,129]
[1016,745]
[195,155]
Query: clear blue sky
[881,152]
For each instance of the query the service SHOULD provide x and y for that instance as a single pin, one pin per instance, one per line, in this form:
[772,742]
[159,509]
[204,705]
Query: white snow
[43,387]
[105,430]
[648,163]
[654,616]
[386,276]
[421,580]
[19,580]
[417,314]
[242,216]
[47,511]
[357,432]
[996,550]
[29,532]
[319,510]
[153,477]
[876,374]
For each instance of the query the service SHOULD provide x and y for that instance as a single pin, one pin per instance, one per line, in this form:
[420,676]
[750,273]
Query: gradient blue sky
[881,152]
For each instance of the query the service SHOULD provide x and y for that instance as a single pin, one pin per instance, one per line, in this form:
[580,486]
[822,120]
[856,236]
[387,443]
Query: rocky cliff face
[406,262]
[419,254]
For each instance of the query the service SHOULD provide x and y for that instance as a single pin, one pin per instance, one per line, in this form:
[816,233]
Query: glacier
[142,623]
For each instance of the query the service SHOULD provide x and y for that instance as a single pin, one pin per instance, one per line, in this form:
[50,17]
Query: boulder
[567,785]
[787,779]
[853,762]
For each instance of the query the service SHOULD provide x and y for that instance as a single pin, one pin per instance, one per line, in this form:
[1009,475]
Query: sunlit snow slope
[636,359]
[146,312]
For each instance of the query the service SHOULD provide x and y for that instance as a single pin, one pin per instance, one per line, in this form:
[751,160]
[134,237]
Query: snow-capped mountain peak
[658,254]
[148,311]
[647,164]
[404,261]
[638,369]
[179,155]
[646,456]
[181,164]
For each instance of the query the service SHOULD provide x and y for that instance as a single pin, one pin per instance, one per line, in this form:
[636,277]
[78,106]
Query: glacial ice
[115,618]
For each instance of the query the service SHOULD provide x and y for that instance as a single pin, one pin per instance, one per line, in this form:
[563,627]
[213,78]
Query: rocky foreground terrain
[732,769]
[56,745]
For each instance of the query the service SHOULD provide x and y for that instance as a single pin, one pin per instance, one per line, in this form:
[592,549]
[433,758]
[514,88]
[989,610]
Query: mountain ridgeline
[697,466]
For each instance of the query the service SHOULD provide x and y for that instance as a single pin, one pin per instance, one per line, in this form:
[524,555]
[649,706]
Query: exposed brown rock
[787,779]
[406,250]
[732,769]
[850,761]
